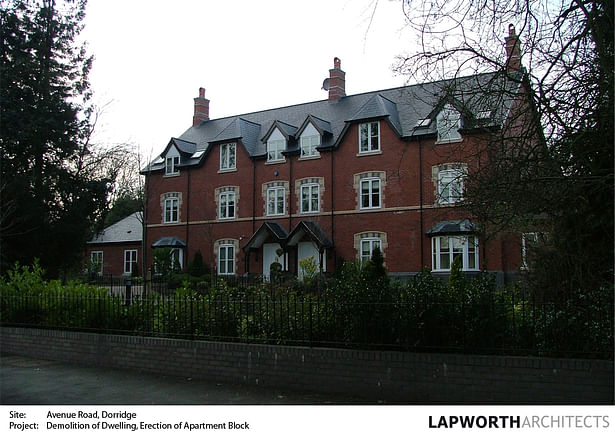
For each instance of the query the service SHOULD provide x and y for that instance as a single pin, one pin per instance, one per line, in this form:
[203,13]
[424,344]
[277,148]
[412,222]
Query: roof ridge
[407,86]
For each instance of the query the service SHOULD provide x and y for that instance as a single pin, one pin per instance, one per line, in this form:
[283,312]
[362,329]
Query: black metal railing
[519,327]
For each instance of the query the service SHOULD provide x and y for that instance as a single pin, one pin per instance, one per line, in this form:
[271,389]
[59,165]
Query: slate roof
[129,229]
[167,242]
[276,232]
[453,227]
[267,230]
[403,108]
[313,231]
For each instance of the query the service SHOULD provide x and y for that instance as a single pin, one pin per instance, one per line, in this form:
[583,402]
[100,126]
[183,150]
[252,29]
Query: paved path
[29,381]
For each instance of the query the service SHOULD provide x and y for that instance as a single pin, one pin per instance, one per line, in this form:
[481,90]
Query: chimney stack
[337,81]
[513,50]
[201,108]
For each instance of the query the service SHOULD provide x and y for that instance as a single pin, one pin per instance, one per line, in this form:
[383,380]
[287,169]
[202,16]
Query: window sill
[309,158]
[275,162]
[370,208]
[224,171]
[448,204]
[174,174]
[369,153]
[448,141]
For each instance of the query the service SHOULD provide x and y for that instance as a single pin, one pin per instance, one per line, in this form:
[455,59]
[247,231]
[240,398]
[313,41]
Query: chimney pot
[201,108]
[337,81]
[513,50]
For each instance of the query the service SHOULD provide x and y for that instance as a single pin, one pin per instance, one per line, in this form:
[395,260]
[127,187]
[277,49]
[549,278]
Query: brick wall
[389,376]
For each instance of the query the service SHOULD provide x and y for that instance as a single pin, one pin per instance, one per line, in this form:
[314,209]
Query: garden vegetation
[360,307]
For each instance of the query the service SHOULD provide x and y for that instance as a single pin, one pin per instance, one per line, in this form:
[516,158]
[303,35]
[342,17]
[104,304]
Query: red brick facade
[409,207]
[373,182]
[114,256]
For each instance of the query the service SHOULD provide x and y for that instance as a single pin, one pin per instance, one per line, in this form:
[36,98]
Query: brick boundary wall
[376,375]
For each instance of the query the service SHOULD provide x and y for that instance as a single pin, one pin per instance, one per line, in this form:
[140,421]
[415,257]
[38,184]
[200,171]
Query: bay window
[445,249]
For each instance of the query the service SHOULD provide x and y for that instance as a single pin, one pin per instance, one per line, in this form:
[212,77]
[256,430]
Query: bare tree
[549,168]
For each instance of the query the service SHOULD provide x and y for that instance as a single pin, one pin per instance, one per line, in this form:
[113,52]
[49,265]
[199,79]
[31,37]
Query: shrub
[197,267]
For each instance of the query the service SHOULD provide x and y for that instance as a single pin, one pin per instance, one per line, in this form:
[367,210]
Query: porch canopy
[444,228]
[313,232]
[267,230]
[274,231]
[169,242]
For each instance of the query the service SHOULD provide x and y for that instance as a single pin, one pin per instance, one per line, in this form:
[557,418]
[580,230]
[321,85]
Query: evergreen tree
[375,269]
[197,266]
[49,200]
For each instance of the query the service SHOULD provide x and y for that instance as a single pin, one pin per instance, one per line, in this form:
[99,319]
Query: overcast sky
[151,57]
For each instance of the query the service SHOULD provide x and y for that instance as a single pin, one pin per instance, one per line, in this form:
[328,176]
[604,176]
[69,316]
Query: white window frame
[372,243]
[467,248]
[450,185]
[171,164]
[526,240]
[228,156]
[369,140]
[309,145]
[227,261]
[177,258]
[275,147]
[227,205]
[273,200]
[370,193]
[311,191]
[130,259]
[448,123]
[97,257]
[171,210]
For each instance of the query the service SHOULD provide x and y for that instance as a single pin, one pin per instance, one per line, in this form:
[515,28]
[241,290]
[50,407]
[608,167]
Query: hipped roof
[403,108]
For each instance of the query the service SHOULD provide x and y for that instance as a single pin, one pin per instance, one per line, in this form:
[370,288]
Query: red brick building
[117,250]
[334,179]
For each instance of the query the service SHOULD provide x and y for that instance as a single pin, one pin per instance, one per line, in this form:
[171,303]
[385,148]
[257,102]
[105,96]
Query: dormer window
[274,150]
[309,141]
[228,152]
[369,137]
[171,165]
[308,146]
[448,124]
